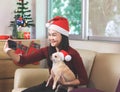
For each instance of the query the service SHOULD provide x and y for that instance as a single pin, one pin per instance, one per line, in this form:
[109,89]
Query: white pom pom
[68,58]
[47,25]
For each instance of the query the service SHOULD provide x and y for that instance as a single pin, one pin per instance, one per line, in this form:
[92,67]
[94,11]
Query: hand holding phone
[12,44]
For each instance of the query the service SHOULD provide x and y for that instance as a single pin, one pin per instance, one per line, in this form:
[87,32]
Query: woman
[58,31]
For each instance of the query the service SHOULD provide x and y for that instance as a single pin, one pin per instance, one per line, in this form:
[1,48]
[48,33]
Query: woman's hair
[63,46]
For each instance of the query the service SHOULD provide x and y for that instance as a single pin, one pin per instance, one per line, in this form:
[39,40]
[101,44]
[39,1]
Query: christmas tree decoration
[23,21]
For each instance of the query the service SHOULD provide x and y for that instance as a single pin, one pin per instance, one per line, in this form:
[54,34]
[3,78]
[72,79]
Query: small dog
[60,69]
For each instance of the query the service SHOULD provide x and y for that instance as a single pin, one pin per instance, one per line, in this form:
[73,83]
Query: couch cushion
[88,59]
[29,77]
[118,87]
[3,55]
[106,72]
[6,85]
[7,68]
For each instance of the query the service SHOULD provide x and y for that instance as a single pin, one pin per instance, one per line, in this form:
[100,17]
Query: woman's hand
[6,47]
[11,52]
[70,83]
[63,81]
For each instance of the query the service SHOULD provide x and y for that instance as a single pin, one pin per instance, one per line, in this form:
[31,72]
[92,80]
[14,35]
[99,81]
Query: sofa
[103,70]
[7,67]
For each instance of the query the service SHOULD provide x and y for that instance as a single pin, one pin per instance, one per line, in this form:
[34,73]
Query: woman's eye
[53,34]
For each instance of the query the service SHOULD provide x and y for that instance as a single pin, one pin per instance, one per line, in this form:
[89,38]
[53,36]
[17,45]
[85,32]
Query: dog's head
[57,57]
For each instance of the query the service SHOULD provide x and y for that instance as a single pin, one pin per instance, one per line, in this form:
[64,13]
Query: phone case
[12,44]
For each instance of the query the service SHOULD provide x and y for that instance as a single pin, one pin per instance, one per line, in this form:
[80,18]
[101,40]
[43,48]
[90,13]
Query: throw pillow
[32,48]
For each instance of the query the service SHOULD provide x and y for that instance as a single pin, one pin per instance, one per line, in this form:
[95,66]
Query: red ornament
[20,18]
[26,35]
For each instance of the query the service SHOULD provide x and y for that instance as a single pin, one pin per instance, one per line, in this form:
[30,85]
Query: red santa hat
[59,24]
[65,56]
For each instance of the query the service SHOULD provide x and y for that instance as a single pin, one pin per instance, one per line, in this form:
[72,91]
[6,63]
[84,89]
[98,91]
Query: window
[89,19]
[69,9]
[104,20]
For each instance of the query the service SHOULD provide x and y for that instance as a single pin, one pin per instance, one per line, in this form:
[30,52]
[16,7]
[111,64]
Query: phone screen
[12,44]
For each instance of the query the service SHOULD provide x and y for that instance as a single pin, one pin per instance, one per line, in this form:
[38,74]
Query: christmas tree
[22,18]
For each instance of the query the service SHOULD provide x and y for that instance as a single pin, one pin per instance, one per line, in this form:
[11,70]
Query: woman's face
[54,38]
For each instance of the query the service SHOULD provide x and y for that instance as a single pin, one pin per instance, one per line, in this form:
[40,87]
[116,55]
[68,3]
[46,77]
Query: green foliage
[22,15]
[71,9]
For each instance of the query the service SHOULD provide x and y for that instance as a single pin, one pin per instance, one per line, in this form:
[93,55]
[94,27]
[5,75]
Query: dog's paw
[53,87]
[46,85]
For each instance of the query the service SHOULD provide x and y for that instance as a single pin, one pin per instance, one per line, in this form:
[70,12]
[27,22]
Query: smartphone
[12,44]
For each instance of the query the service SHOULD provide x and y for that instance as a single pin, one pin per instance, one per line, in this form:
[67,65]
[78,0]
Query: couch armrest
[25,78]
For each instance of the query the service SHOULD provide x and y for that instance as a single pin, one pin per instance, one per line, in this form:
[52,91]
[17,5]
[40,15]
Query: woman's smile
[54,38]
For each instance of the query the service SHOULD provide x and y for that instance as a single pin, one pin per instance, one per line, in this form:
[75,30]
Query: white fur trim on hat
[58,29]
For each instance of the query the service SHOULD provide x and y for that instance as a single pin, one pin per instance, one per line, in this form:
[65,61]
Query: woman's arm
[79,69]
[13,55]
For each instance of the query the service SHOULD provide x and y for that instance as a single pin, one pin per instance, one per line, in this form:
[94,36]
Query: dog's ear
[61,56]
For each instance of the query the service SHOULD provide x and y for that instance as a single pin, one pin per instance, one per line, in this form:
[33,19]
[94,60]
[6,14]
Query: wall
[7,8]
[104,47]
[41,18]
